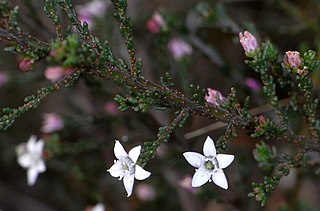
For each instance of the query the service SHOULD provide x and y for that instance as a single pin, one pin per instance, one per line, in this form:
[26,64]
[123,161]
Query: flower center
[211,163]
[127,165]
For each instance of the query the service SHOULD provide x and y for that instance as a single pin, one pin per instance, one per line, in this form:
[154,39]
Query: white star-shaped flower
[126,168]
[30,157]
[209,166]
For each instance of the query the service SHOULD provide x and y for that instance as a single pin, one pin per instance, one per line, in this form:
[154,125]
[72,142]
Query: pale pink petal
[209,150]
[134,153]
[224,160]
[195,159]
[220,179]
[200,177]
[119,150]
[32,175]
[128,182]
[140,173]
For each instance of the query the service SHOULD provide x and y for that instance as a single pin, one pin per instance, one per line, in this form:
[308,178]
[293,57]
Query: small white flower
[30,157]
[209,165]
[126,168]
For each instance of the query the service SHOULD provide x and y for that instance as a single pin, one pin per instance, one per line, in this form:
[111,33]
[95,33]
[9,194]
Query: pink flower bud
[253,84]
[156,23]
[26,64]
[263,121]
[179,48]
[292,59]
[51,123]
[248,41]
[214,97]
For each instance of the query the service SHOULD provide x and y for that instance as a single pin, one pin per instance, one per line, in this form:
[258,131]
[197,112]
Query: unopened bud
[292,59]
[248,42]
[26,64]
[214,97]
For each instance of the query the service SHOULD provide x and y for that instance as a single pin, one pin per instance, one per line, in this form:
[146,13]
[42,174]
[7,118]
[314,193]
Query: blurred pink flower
[111,108]
[248,41]
[179,48]
[156,23]
[145,192]
[292,59]
[3,78]
[26,64]
[55,73]
[88,11]
[51,123]
[214,97]
[253,84]
[186,183]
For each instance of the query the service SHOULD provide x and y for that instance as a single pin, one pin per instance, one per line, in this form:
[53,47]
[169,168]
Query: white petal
[128,182]
[195,159]
[41,167]
[200,177]
[134,153]
[39,147]
[119,150]
[220,179]
[25,160]
[32,175]
[31,143]
[224,160]
[140,173]
[116,170]
[99,207]
[208,148]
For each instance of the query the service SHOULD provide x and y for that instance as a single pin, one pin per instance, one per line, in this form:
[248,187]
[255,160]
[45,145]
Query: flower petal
[128,182]
[38,147]
[134,153]
[140,173]
[224,160]
[41,167]
[25,160]
[220,179]
[119,150]
[32,175]
[31,143]
[200,177]
[208,148]
[195,159]
[116,170]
